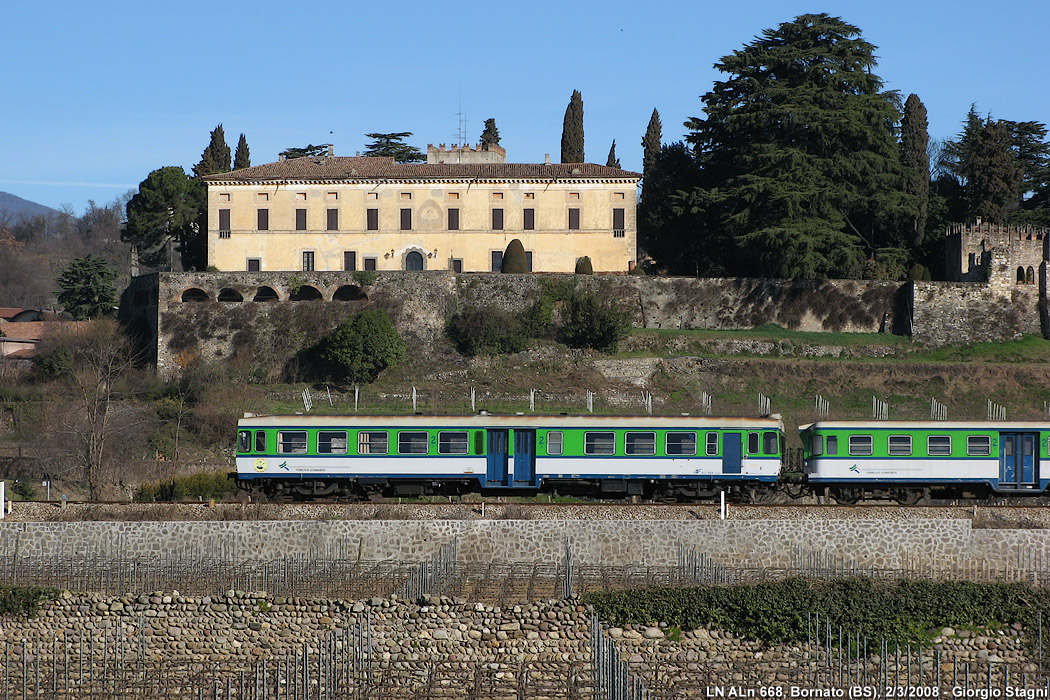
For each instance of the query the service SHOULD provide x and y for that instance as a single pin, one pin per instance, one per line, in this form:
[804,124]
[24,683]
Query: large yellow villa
[458,211]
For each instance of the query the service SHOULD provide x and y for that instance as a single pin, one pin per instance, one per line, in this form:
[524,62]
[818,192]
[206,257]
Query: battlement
[494,153]
[995,253]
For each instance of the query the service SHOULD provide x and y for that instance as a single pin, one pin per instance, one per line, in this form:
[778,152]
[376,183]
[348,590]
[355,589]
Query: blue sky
[96,95]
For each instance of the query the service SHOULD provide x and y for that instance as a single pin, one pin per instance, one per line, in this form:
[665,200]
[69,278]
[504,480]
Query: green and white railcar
[404,455]
[904,459]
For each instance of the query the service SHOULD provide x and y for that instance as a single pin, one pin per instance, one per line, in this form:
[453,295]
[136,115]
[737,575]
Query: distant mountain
[14,208]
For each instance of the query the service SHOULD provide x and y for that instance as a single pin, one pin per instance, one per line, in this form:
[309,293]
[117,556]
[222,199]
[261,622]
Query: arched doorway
[414,261]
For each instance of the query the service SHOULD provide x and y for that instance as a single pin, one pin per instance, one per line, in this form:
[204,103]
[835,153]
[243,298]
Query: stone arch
[266,294]
[1030,275]
[349,292]
[1020,275]
[415,261]
[229,294]
[195,294]
[305,293]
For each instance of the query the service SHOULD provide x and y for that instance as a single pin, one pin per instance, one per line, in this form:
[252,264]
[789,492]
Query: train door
[731,453]
[524,458]
[1017,460]
[498,458]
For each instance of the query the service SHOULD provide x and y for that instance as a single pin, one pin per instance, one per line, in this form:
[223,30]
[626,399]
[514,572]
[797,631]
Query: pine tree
[612,161]
[572,130]
[490,136]
[994,175]
[216,156]
[651,143]
[242,158]
[915,159]
[393,146]
[87,288]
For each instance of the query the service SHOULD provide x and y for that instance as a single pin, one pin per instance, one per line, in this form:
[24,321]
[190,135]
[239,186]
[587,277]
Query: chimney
[546,158]
[331,150]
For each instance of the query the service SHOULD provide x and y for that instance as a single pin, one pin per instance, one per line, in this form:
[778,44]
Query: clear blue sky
[96,95]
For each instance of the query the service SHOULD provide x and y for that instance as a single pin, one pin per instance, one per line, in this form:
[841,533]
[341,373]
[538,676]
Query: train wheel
[909,497]
[847,497]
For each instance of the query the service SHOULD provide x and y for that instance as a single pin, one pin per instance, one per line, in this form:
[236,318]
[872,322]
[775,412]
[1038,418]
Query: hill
[13,208]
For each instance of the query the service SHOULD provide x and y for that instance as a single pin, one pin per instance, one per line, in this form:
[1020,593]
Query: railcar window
[978,445]
[452,443]
[244,441]
[816,446]
[599,443]
[554,442]
[1029,446]
[860,445]
[752,443]
[331,442]
[769,443]
[939,445]
[371,442]
[712,443]
[900,445]
[291,442]
[681,443]
[640,443]
[260,441]
[411,443]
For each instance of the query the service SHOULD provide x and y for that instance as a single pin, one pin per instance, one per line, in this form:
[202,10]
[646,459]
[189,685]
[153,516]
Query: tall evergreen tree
[915,158]
[393,146]
[798,152]
[490,136]
[668,221]
[308,151]
[612,161]
[216,156]
[87,288]
[164,216]
[994,176]
[572,130]
[651,143]
[242,157]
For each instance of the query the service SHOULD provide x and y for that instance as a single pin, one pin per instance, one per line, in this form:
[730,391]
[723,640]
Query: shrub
[583,266]
[537,319]
[202,486]
[363,346]
[365,277]
[514,260]
[591,322]
[486,330]
[638,271]
[24,600]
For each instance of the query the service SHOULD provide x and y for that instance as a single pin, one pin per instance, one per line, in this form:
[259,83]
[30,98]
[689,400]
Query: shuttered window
[224,219]
[300,219]
[333,219]
[574,219]
[406,219]
[453,219]
[497,219]
[529,219]
[373,220]
[264,220]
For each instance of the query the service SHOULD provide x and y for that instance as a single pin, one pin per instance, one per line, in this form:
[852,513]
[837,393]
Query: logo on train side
[260,464]
[854,469]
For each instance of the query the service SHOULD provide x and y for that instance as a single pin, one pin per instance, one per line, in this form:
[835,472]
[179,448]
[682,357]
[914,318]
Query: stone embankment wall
[956,313]
[881,544]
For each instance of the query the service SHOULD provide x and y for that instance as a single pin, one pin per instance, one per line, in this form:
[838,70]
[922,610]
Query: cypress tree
[915,159]
[994,176]
[242,158]
[583,266]
[490,136]
[216,156]
[514,260]
[612,161]
[651,143]
[572,130]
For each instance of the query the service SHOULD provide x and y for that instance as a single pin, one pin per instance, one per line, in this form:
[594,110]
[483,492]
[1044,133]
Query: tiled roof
[9,311]
[368,168]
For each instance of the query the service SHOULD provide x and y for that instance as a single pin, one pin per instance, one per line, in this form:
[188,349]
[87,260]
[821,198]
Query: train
[659,458]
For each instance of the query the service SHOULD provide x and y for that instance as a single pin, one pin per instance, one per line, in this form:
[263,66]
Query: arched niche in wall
[349,292]
[265,294]
[195,294]
[230,295]
[305,293]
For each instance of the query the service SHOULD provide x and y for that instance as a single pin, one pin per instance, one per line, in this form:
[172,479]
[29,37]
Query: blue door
[524,458]
[1028,479]
[731,453]
[1018,462]
[1008,460]
[498,449]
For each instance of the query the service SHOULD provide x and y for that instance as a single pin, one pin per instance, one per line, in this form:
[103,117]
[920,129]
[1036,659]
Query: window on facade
[349,260]
[899,445]
[530,195]
[331,442]
[264,220]
[599,443]
[332,196]
[372,223]
[497,219]
[770,443]
[372,195]
[680,443]
[300,196]
[406,219]
[371,442]
[406,196]
[300,219]
[554,442]
[497,195]
[224,219]
[618,223]
[938,445]
[291,442]
[640,443]
[254,264]
[574,219]
[263,196]
[333,219]
[453,195]
[574,196]
[528,217]
[452,443]
[978,445]
[308,261]
[456,265]
[497,260]
[370,264]
[619,195]
[411,443]
[860,445]
[224,196]
[528,260]
[453,219]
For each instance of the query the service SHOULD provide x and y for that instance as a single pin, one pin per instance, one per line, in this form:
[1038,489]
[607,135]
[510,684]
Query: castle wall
[947,313]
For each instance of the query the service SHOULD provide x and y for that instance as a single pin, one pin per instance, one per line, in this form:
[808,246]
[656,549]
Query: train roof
[925,425]
[516,421]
